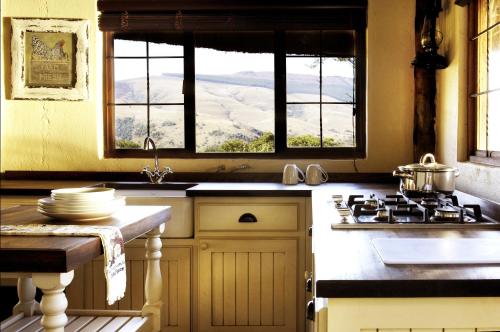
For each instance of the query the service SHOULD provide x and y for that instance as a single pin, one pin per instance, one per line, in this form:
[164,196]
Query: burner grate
[400,209]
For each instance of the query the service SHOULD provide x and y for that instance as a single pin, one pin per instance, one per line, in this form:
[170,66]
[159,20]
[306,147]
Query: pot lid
[428,163]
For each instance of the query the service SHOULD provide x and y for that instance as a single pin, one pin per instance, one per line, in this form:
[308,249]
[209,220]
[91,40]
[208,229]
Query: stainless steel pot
[427,176]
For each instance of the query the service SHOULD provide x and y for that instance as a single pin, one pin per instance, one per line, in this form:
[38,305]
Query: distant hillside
[238,106]
[337,87]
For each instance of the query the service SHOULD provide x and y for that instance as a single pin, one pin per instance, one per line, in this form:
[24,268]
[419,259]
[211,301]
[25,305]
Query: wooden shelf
[82,320]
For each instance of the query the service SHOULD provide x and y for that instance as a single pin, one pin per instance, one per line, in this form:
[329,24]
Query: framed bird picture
[49,59]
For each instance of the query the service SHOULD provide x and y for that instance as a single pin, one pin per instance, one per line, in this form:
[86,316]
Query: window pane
[303,126]
[129,48]
[494,7]
[494,58]
[338,82]
[234,97]
[494,121]
[167,126]
[164,49]
[130,81]
[302,79]
[165,80]
[338,126]
[130,126]
[481,121]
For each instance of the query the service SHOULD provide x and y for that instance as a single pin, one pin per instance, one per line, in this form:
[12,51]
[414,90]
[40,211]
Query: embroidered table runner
[112,242]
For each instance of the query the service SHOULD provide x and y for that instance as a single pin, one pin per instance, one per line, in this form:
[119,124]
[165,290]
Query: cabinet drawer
[274,214]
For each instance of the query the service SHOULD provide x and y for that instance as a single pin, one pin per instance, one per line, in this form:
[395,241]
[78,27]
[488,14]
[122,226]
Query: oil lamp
[430,39]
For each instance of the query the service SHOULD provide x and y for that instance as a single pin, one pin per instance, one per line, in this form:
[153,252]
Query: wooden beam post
[424,136]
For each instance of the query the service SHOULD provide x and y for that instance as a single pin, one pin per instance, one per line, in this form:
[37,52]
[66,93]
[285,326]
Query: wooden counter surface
[347,265]
[63,254]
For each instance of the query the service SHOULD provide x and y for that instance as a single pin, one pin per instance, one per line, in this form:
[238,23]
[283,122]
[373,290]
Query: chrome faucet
[155,176]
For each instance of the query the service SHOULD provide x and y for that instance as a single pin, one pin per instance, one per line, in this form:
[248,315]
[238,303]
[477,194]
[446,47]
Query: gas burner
[429,203]
[419,194]
[370,204]
[446,213]
[382,215]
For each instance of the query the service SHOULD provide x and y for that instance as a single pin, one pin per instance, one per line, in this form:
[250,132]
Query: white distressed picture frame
[19,88]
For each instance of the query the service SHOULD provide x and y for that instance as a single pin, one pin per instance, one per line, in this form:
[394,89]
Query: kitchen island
[48,262]
[356,291]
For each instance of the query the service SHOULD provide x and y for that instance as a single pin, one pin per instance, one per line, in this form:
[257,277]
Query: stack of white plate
[80,203]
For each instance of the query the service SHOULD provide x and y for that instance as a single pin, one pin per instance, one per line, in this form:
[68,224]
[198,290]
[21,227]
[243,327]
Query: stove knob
[344,212]
[337,199]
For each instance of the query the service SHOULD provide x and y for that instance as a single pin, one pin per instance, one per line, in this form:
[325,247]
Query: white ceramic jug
[292,174]
[315,175]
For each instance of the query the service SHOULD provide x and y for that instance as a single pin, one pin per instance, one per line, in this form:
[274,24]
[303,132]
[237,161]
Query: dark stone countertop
[347,264]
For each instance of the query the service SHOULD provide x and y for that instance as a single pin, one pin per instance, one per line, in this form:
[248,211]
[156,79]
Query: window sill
[326,153]
[487,161]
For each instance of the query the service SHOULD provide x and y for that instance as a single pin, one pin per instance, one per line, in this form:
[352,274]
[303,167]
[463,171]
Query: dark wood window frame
[281,150]
[476,155]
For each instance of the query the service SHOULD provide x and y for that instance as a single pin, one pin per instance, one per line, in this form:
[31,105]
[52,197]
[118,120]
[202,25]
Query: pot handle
[401,174]
[426,156]
[457,173]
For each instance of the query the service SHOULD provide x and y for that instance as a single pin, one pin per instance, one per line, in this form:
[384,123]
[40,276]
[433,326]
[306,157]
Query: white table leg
[153,284]
[54,302]
[26,294]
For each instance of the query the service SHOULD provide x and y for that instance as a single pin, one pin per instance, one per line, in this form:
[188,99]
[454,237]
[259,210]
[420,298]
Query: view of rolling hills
[238,106]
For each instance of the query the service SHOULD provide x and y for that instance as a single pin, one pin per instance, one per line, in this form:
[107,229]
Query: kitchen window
[241,93]
[320,90]
[148,98]
[485,81]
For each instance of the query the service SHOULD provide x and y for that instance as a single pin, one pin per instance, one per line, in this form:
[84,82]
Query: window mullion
[280,125]
[147,88]
[321,89]
[360,88]
[189,94]
[487,77]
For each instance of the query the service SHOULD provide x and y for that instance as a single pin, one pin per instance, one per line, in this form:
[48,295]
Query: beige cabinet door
[247,285]
[88,289]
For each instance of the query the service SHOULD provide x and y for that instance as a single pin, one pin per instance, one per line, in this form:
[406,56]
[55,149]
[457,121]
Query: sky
[212,62]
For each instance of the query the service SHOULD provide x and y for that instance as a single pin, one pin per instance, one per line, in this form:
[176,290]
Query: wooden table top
[61,253]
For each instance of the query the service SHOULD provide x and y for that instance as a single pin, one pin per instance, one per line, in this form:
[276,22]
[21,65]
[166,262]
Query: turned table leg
[54,302]
[153,284]
[26,294]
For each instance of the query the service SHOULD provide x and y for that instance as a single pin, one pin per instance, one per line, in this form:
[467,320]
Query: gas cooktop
[399,211]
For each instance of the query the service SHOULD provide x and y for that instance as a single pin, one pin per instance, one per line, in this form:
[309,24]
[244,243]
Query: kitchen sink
[142,189]
[147,185]
[168,193]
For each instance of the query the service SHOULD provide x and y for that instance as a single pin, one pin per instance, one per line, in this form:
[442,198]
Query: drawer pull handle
[310,310]
[203,246]
[247,217]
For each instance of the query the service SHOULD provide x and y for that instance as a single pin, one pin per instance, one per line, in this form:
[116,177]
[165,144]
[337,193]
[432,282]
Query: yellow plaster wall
[53,135]
[451,122]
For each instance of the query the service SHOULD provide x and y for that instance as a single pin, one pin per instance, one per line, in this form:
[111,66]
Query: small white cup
[292,174]
[315,175]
